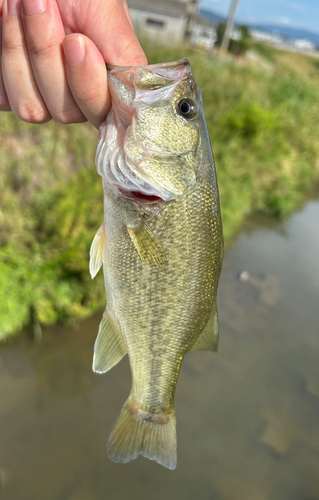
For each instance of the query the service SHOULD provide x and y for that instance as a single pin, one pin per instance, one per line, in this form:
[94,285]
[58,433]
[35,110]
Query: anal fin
[96,251]
[109,346]
[149,249]
[208,339]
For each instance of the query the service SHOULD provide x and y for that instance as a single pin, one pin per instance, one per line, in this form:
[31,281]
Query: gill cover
[145,144]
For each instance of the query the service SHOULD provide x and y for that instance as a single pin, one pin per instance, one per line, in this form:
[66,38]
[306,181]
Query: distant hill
[284,31]
[212,16]
[287,32]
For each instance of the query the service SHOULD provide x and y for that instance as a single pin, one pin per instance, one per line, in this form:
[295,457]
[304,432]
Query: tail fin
[142,433]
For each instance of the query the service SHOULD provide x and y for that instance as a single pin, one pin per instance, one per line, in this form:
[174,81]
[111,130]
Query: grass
[263,125]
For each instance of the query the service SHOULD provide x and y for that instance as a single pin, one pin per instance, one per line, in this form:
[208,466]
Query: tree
[236,47]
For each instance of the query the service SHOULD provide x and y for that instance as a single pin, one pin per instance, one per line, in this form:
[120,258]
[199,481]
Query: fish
[160,246]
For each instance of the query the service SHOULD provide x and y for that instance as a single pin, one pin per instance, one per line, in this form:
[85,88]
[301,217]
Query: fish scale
[161,266]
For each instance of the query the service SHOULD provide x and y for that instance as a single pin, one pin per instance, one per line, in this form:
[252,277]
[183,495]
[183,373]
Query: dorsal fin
[97,250]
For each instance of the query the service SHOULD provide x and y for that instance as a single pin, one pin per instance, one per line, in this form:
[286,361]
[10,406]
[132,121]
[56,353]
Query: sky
[295,14]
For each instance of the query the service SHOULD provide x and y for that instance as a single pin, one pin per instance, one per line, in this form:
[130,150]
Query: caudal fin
[141,433]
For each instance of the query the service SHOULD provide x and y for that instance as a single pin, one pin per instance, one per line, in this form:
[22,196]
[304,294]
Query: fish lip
[114,67]
[139,197]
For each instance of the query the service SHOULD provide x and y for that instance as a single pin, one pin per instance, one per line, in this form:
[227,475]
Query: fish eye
[187,108]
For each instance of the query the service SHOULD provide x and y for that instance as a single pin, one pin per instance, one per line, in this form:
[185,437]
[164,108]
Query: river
[247,417]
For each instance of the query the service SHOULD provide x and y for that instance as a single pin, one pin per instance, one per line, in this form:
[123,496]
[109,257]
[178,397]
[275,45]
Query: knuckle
[43,52]
[32,113]
[11,44]
[90,100]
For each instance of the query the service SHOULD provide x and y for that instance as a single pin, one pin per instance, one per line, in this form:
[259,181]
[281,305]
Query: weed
[264,132]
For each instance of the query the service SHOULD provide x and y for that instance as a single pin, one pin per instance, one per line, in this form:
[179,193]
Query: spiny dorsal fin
[109,346]
[208,339]
[149,249]
[96,251]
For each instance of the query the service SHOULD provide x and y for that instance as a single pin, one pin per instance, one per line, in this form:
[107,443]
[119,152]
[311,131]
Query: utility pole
[229,26]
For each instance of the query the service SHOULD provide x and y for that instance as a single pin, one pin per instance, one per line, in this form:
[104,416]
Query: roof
[173,8]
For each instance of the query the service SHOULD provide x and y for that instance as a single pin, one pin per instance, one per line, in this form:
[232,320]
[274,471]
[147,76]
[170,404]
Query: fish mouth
[139,197]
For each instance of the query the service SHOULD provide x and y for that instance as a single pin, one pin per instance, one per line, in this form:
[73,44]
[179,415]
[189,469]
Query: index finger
[107,25]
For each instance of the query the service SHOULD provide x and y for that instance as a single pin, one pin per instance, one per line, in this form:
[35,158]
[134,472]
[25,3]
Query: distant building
[304,45]
[163,19]
[172,21]
[296,45]
[201,32]
[264,36]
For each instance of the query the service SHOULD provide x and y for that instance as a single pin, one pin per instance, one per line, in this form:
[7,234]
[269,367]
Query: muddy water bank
[247,418]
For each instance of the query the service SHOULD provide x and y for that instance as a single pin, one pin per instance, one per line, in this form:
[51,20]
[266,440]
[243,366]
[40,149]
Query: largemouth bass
[160,245]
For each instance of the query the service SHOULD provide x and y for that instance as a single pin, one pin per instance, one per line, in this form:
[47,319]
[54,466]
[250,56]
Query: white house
[201,32]
[304,45]
[171,21]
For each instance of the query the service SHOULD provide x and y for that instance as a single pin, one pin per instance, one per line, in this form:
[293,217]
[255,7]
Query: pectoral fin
[149,249]
[109,346]
[96,251]
[208,339]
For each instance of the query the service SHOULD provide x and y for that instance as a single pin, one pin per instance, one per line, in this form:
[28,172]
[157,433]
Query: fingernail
[74,50]
[32,7]
[13,7]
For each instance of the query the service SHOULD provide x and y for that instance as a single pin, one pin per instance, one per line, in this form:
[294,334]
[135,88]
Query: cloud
[283,20]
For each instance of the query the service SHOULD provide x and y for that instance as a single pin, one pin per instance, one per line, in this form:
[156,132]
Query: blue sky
[293,13]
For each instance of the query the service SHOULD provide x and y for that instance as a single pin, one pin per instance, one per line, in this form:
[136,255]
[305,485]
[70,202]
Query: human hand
[39,80]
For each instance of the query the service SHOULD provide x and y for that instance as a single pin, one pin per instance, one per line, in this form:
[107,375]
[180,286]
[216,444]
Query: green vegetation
[262,117]
[236,47]
[50,208]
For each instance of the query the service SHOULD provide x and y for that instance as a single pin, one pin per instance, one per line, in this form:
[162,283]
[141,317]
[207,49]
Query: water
[248,418]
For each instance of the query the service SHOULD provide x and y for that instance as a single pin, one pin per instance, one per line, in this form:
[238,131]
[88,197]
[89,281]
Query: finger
[4,103]
[23,94]
[128,14]
[107,25]
[87,77]
[44,34]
